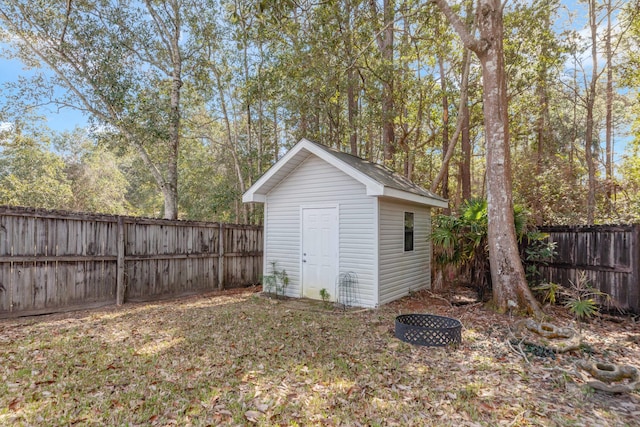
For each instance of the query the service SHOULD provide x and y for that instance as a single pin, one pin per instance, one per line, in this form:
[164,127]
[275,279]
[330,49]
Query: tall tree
[462,123]
[590,104]
[121,63]
[535,61]
[97,181]
[510,287]
[30,174]
[609,109]
[385,39]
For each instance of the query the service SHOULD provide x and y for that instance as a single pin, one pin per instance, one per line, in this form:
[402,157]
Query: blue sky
[65,119]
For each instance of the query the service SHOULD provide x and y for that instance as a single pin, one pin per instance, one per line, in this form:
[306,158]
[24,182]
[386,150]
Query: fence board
[609,255]
[55,261]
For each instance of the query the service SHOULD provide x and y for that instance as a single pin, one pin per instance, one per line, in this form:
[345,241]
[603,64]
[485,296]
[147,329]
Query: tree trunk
[541,130]
[510,289]
[445,129]
[260,110]
[462,125]
[172,34]
[388,113]
[461,122]
[609,114]
[352,106]
[591,97]
[276,146]
[384,39]
[465,143]
[232,143]
[352,81]
[509,284]
[171,190]
[465,146]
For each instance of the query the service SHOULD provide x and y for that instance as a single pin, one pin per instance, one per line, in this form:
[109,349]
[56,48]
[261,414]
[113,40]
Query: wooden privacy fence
[609,255]
[56,261]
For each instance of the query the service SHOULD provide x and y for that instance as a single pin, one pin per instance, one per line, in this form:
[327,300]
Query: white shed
[328,214]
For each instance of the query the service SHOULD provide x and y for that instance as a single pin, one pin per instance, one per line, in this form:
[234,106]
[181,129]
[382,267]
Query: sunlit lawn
[241,359]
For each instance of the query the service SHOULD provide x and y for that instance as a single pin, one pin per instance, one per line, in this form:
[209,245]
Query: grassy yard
[238,359]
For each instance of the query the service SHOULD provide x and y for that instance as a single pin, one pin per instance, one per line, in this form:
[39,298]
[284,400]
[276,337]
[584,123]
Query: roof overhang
[415,198]
[305,148]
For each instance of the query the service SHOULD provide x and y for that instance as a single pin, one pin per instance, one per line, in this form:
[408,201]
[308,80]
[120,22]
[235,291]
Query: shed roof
[379,180]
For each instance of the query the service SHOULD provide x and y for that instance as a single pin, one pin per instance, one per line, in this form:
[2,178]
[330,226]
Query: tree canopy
[192,101]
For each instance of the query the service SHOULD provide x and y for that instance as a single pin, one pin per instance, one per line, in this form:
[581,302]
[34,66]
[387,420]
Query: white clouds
[584,37]
[6,127]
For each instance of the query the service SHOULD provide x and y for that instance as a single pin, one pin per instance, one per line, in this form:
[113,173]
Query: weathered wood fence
[57,261]
[609,255]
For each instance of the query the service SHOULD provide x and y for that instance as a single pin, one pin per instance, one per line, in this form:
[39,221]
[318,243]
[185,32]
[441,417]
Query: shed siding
[316,183]
[400,271]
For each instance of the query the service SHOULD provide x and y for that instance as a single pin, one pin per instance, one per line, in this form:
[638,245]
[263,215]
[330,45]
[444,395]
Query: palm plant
[580,297]
[461,241]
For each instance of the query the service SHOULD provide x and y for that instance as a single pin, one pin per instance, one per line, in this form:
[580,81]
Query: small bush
[276,281]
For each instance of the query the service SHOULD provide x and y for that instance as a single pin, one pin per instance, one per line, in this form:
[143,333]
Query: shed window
[408,231]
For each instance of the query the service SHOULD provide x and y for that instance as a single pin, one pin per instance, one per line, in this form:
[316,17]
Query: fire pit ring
[428,330]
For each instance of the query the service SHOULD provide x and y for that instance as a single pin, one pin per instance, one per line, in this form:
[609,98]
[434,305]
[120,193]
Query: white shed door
[319,251]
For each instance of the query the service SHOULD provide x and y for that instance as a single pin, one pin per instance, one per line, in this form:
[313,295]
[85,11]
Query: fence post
[120,285]
[221,257]
[634,283]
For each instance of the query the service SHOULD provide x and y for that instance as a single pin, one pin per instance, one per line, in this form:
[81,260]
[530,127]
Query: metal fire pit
[428,329]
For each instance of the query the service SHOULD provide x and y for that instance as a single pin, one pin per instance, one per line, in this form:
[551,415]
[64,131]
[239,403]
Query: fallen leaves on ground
[243,359]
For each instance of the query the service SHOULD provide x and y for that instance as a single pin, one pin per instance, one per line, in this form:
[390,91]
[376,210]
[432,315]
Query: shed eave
[414,198]
[250,197]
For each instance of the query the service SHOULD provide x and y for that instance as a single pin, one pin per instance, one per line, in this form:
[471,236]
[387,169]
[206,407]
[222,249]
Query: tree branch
[467,38]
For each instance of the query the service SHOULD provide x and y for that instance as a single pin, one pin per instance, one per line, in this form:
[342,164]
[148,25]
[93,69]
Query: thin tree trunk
[537,202]
[385,42]
[465,146]
[591,97]
[461,121]
[276,147]
[609,114]
[574,124]
[245,61]
[231,142]
[352,106]
[465,143]
[541,132]
[388,113]
[260,110]
[352,82]
[445,129]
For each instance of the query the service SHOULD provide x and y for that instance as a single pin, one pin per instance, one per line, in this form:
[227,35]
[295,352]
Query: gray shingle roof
[378,180]
[380,173]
